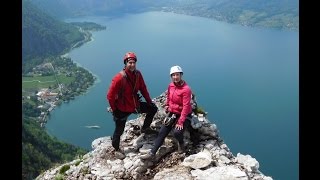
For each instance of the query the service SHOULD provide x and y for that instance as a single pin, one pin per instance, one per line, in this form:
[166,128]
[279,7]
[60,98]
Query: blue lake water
[246,79]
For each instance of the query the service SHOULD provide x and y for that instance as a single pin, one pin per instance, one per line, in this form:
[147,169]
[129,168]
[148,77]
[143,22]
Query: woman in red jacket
[178,105]
[124,100]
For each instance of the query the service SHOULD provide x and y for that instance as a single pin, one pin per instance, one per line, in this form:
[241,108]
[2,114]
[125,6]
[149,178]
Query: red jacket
[179,100]
[130,85]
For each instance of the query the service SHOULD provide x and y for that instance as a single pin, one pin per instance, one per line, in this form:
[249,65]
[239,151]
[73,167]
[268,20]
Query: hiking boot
[148,131]
[181,148]
[119,155]
[147,156]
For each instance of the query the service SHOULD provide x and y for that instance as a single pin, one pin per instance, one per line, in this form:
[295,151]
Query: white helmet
[175,69]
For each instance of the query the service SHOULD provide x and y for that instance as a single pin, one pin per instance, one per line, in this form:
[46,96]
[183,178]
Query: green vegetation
[279,14]
[64,168]
[29,109]
[199,110]
[63,76]
[44,36]
[77,163]
[89,26]
[41,151]
[44,40]
[39,82]
[85,170]
[59,177]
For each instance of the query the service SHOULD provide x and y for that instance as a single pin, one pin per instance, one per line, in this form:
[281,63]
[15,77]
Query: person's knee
[154,109]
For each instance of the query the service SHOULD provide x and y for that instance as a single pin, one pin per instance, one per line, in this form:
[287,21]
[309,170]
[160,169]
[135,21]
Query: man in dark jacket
[124,100]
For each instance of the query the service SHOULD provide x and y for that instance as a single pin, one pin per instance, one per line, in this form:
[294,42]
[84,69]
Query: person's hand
[178,127]
[166,108]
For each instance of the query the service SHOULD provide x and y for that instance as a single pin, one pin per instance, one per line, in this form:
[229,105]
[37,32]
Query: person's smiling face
[131,64]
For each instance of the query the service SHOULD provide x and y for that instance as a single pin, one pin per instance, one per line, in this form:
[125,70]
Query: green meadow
[38,82]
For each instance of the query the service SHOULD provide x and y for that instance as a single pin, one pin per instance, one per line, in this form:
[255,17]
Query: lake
[247,79]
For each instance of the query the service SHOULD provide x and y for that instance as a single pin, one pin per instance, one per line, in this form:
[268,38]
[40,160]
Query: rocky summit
[206,156]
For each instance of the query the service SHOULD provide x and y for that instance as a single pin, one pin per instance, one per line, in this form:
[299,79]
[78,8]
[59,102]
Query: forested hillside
[43,36]
[280,14]
[41,151]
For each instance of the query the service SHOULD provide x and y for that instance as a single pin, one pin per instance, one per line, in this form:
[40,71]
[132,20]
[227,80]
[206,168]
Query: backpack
[194,104]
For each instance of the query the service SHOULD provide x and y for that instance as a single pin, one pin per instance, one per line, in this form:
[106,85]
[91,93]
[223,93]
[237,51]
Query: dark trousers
[121,118]
[165,130]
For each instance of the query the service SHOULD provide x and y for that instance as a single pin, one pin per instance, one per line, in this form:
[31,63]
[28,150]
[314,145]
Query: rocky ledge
[208,158]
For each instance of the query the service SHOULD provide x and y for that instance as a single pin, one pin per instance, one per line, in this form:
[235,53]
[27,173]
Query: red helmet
[129,55]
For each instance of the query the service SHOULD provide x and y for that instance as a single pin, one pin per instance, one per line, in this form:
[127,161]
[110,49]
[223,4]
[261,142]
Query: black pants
[165,130]
[121,118]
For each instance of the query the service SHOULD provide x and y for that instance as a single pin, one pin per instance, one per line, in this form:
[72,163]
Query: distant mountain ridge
[281,14]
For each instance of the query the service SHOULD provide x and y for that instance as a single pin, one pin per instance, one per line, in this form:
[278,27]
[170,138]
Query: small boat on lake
[93,127]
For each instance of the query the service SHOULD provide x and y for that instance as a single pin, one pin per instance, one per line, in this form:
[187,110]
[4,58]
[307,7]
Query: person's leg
[120,123]
[164,131]
[178,134]
[150,112]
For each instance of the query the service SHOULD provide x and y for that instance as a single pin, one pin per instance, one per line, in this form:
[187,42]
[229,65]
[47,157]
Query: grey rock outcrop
[207,158]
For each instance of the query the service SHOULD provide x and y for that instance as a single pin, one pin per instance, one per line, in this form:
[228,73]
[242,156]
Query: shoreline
[88,38]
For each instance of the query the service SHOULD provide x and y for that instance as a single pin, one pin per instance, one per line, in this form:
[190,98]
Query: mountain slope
[41,151]
[43,35]
[206,157]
